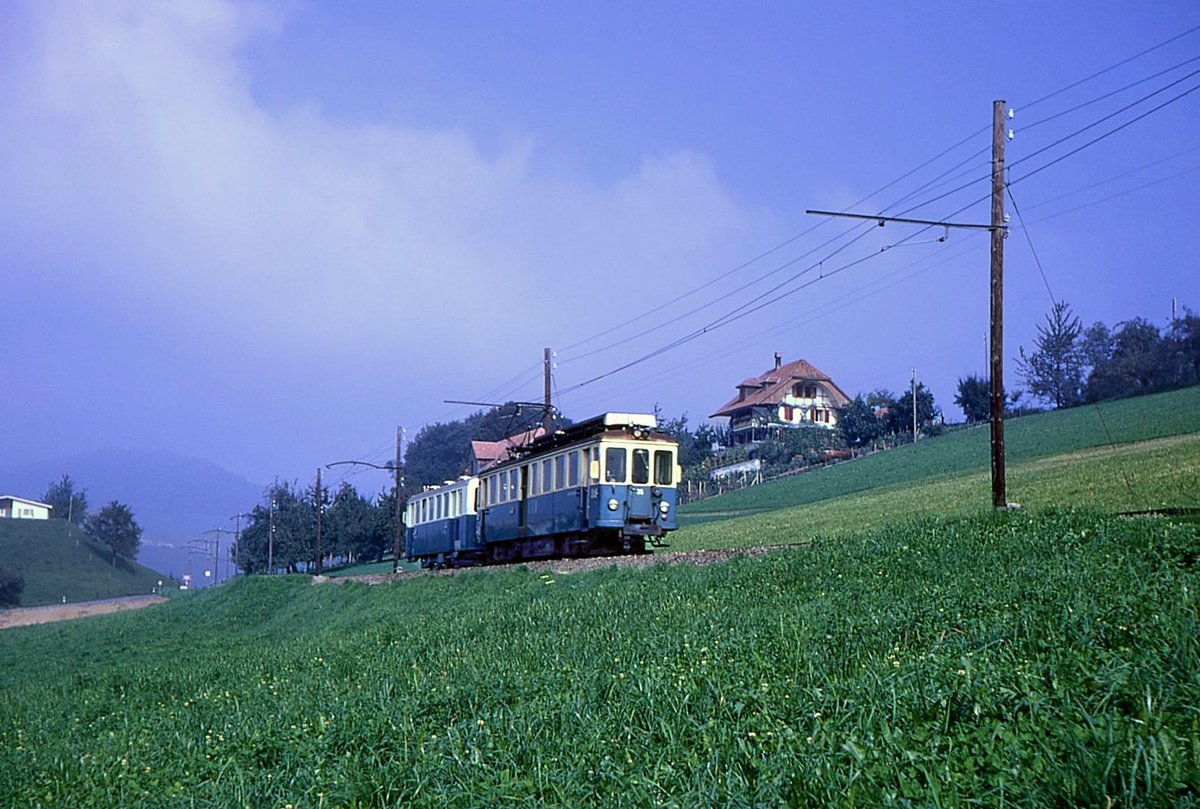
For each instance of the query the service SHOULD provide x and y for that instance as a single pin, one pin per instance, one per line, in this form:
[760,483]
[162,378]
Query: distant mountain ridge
[173,497]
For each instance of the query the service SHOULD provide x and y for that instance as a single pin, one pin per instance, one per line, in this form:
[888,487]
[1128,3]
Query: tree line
[1071,365]
[281,533]
[113,525]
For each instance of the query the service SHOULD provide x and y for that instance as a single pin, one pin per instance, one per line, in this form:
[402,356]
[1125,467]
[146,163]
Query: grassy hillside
[966,451]
[59,561]
[1000,660]
[1154,474]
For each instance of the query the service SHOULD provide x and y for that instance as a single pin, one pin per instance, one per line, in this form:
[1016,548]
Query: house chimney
[778,360]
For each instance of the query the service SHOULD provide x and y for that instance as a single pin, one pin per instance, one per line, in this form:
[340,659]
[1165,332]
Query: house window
[789,413]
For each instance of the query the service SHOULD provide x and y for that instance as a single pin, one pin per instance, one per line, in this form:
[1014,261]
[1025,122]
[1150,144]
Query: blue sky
[267,234]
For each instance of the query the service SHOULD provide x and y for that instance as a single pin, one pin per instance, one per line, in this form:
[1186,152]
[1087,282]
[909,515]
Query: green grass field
[1154,474]
[60,562]
[1005,660]
[1112,424]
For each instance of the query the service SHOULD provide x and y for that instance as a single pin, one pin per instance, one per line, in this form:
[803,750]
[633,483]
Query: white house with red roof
[783,397]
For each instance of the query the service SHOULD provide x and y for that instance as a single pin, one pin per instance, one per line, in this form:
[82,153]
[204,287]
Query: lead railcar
[602,487]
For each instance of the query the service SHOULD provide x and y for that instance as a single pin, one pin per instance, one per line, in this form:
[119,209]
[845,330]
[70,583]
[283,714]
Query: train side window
[533,479]
[594,464]
[547,476]
[560,472]
[573,469]
[664,467]
[614,465]
[641,466]
[503,485]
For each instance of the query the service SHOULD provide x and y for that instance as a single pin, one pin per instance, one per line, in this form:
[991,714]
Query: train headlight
[613,505]
[664,507]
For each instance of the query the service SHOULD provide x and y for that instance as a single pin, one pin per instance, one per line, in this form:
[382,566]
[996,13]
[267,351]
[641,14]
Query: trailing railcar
[441,522]
[603,487]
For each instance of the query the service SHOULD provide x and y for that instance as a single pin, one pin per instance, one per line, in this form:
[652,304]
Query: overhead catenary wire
[1112,67]
[1110,94]
[1116,177]
[1117,195]
[807,317]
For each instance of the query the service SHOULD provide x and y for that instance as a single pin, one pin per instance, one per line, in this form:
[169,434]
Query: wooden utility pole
[399,541]
[548,413]
[999,496]
[318,502]
[914,402]
[271,532]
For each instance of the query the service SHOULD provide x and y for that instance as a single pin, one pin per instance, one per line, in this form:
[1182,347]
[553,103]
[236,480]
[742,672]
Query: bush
[12,585]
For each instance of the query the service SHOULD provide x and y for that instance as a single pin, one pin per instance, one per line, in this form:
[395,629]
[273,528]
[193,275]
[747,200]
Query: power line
[1111,132]
[1032,249]
[1117,195]
[776,248]
[1110,94]
[1112,67]
[1074,134]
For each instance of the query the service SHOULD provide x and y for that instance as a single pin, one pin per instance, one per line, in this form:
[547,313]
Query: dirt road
[26,616]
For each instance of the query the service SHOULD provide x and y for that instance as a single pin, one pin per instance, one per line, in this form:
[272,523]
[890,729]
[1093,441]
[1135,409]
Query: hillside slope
[61,562]
[966,451]
[174,498]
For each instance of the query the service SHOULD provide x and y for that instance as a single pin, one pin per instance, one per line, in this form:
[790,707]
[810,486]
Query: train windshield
[641,466]
[614,465]
[664,467]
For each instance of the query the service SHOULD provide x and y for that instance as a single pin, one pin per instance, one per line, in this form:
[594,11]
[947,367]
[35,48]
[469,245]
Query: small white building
[18,508]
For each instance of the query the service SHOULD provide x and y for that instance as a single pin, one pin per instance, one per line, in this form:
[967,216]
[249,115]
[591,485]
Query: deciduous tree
[115,527]
[859,423]
[900,414]
[1054,371]
[975,398]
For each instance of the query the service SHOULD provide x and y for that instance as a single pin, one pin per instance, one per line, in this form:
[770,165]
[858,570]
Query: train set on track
[603,487]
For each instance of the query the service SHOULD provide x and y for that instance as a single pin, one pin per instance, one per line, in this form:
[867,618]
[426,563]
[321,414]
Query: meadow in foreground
[1002,660]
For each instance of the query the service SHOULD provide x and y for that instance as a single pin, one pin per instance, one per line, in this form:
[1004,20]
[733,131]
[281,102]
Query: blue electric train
[603,487]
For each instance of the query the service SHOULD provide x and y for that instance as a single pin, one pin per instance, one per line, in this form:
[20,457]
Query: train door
[522,472]
[639,503]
